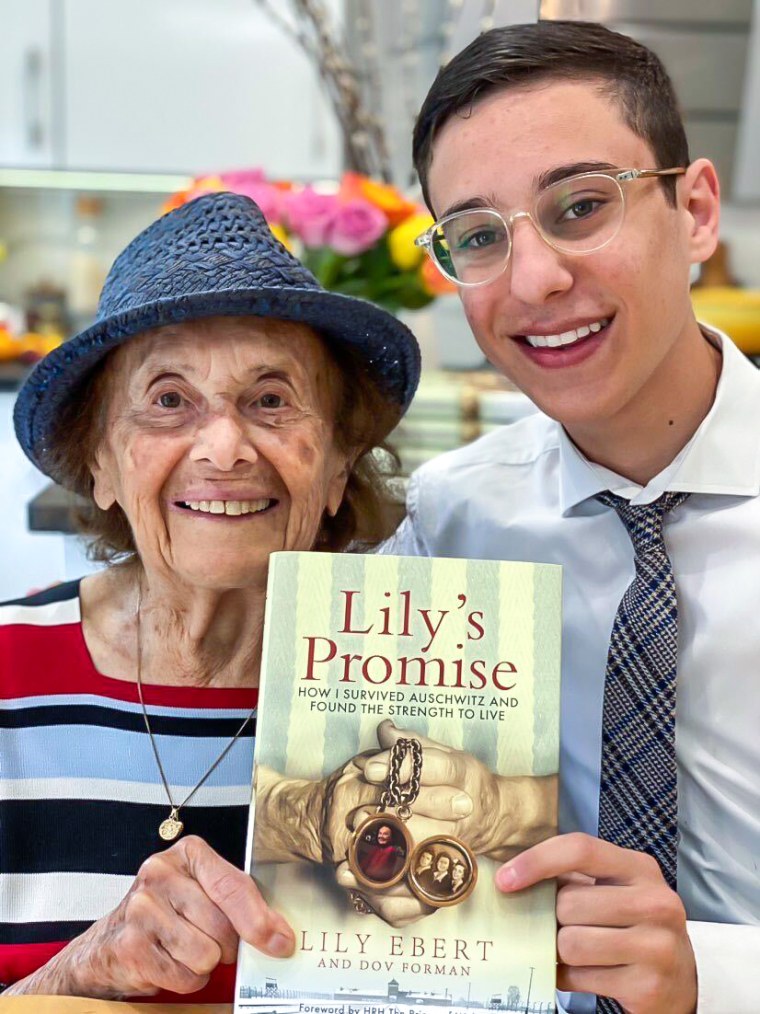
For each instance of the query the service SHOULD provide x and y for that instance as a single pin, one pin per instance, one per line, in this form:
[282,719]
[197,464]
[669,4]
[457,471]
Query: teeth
[553,341]
[233,508]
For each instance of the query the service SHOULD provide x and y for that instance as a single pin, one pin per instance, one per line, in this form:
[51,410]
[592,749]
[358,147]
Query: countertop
[12,375]
[51,510]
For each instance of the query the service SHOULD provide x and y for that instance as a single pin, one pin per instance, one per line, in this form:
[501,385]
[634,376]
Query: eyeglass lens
[577,215]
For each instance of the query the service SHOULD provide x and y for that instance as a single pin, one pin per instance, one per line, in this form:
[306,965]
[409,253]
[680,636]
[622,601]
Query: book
[407,744]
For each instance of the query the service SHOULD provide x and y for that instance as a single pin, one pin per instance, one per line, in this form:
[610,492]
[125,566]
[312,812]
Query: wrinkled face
[383,835]
[219,446]
[636,287]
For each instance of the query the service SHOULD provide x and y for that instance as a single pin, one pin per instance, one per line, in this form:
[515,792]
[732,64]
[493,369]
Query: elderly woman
[222,407]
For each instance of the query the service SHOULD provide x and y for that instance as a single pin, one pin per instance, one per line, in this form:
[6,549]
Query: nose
[224,441]
[536,271]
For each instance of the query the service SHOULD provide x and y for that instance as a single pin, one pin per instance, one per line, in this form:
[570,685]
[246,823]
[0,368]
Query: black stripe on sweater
[115,718]
[40,932]
[58,593]
[97,836]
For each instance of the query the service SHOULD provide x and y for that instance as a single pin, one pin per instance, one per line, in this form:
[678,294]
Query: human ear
[102,487]
[699,195]
[336,486]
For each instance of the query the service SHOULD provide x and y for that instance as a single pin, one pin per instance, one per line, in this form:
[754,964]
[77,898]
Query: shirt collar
[722,457]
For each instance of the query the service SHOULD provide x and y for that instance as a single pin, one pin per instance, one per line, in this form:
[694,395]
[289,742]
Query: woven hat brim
[387,345]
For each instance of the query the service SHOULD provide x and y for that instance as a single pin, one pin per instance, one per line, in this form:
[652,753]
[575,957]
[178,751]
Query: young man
[574,275]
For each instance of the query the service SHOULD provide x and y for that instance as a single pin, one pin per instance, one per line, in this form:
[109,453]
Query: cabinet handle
[32,97]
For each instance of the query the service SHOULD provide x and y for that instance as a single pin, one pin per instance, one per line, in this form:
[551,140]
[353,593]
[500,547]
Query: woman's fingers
[239,899]
[194,906]
[183,916]
[439,767]
[419,826]
[442,802]
[160,933]
[396,905]
[388,734]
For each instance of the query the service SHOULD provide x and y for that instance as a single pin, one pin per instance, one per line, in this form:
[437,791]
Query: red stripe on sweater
[32,657]
[19,960]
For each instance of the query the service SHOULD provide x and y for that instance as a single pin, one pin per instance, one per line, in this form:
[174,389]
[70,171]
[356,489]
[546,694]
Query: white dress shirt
[525,492]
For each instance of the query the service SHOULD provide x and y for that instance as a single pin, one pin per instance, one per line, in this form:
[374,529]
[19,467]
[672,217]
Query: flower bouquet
[357,239]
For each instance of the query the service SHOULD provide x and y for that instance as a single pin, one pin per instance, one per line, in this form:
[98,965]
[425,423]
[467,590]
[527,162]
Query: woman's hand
[182,916]
[299,820]
[502,814]
[396,905]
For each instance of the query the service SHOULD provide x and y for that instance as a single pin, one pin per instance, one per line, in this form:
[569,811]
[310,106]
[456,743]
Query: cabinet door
[747,179]
[25,84]
[191,86]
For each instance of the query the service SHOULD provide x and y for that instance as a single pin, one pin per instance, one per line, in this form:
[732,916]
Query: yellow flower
[404,253]
[279,233]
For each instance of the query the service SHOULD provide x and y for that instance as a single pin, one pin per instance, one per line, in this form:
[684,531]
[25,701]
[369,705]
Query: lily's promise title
[425,669]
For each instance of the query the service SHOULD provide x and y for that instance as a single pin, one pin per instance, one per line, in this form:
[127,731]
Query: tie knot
[643,522]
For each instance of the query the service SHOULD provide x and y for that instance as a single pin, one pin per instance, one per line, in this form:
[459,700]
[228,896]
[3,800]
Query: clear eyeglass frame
[619,177]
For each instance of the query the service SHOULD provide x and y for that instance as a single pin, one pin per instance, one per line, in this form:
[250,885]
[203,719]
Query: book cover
[407,744]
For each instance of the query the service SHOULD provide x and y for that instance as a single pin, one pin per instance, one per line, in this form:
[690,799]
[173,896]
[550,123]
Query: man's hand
[182,916]
[622,930]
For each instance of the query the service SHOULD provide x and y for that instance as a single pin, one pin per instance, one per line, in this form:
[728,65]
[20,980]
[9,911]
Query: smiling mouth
[232,508]
[565,338]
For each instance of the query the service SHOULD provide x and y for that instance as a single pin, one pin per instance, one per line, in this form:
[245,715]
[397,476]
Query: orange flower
[433,282]
[390,201]
[175,201]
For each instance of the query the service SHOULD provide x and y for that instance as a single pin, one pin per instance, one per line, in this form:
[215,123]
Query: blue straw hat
[214,256]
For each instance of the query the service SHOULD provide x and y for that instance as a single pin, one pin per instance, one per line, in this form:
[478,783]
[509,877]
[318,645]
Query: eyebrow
[563,172]
[161,370]
[541,182]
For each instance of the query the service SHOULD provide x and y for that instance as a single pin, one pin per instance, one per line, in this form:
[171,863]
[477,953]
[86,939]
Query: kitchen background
[108,109]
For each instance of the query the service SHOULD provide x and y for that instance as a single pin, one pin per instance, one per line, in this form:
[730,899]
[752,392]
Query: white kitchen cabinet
[26,84]
[747,179]
[190,86]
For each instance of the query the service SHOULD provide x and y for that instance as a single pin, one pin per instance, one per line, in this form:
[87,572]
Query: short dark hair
[517,55]
[370,510]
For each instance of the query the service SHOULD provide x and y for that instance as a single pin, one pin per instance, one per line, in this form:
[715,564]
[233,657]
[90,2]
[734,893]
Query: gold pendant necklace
[441,870]
[172,827]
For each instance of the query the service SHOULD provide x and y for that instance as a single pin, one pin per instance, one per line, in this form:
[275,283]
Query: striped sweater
[80,794]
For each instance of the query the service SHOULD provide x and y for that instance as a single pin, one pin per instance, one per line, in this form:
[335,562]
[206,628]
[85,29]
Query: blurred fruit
[27,348]
[733,310]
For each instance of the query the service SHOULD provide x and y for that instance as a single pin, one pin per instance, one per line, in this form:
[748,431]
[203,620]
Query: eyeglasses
[578,215]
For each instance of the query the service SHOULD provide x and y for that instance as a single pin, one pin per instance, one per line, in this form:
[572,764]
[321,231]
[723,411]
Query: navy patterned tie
[638,805]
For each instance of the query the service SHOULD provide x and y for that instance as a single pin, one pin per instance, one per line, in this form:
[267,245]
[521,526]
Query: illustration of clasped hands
[402,826]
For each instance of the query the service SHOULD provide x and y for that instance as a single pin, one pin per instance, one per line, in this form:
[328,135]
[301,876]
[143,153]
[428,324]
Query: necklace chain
[173,827]
[396,794]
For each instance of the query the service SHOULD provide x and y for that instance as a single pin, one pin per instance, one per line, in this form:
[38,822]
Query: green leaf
[325,264]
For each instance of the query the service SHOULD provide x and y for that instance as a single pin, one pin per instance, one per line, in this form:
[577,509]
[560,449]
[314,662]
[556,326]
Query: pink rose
[240,177]
[356,227]
[309,214]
